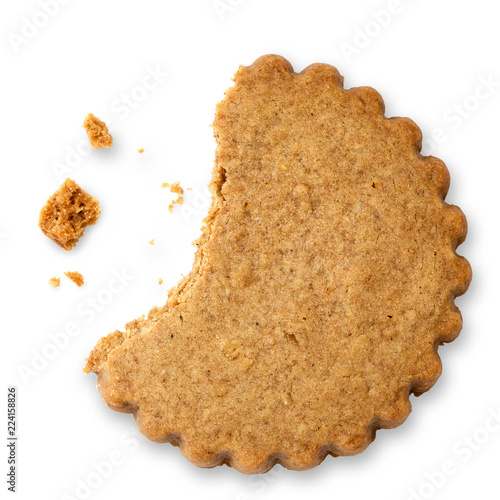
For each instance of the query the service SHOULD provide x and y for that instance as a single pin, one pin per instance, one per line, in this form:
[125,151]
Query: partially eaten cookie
[323,283]
[67,213]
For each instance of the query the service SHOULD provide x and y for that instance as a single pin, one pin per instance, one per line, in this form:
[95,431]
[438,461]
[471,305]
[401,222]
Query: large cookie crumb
[67,213]
[97,132]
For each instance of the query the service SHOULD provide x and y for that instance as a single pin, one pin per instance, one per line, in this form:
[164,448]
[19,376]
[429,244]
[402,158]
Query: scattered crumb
[141,150]
[67,213]
[151,242]
[189,189]
[179,200]
[160,281]
[75,277]
[174,188]
[55,282]
[97,132]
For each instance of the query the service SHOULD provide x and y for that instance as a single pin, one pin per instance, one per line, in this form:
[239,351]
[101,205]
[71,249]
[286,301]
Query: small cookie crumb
[175,187]
[179,200]
[55,282]
[160,281]
[97,132]
[140,150]
[67,213]
[75,277]
[151,242]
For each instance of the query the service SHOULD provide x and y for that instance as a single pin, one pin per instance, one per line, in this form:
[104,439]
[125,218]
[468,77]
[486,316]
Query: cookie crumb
[151,241]
[55,282]
[160,281]
[97,132]
[140,150]
[176,188]
[75,277]
[67,213]
[179,200]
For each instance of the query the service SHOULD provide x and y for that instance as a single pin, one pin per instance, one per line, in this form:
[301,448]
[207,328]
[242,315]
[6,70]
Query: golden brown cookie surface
[322,284]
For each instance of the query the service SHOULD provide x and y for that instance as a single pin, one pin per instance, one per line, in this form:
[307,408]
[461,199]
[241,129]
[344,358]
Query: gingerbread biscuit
[323,283]
[67,213]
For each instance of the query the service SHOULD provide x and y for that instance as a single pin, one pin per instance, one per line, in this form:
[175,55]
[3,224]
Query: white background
[428,61]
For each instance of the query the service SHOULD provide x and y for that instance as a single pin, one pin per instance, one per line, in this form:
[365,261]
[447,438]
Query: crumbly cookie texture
[97,132]
[67,213]
[323,283]
[75,277]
